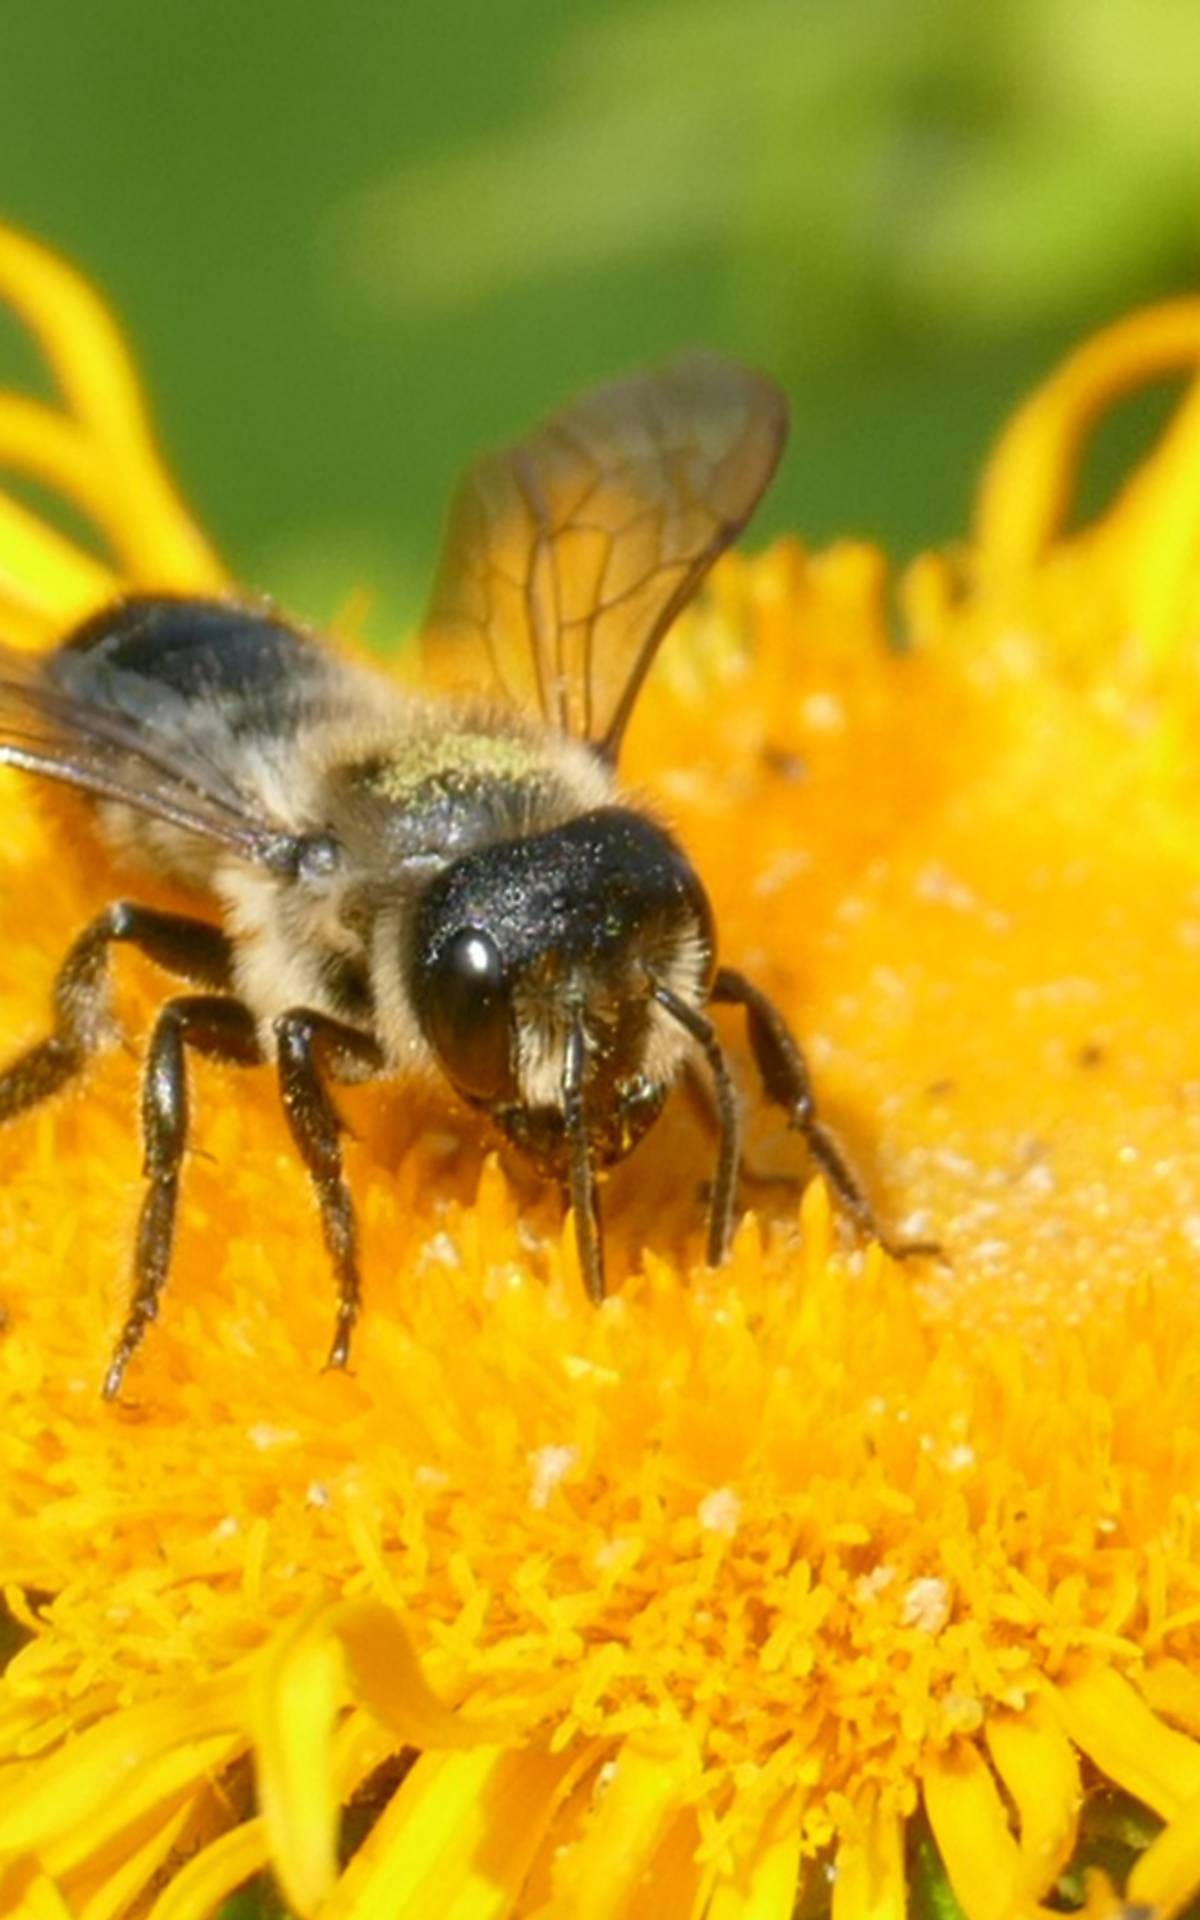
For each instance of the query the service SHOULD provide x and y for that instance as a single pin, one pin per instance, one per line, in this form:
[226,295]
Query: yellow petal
[457,1841]
[1101,1901]
[93,1770]
[45,575]
[767,1888]
[26,1893]
[870,1880]
[1037,1764]
[1029,478]
[46,445]
[154,533]
[298,1689]
[969,1825]
[1173,1690]
[640,1796]
[37,441]
[77,334]
[1155,527]
[155,1785]
[19,1720]
[21,626]
[385,1674]
[1113,1725]
[116,1882]
[1167,1875]
[297,1692]
[678,1882]
[199,1887]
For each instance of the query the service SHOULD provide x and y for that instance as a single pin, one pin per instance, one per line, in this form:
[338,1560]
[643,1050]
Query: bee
[446,881]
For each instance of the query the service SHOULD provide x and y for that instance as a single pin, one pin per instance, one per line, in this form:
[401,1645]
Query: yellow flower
[669,1608]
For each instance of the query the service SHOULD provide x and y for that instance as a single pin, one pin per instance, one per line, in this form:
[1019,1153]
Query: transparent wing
[46,729]
[569,554]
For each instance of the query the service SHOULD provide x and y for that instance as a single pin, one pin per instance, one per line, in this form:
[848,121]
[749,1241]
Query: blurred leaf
[882,165]
[353,245]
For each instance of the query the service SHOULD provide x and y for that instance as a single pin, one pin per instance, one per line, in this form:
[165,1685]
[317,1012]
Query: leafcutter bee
[449,880]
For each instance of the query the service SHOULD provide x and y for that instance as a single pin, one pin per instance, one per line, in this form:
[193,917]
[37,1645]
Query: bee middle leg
[728,1119]
[310,1045]
[191,949]
[751,1178]
[224,1029]
[785,1077]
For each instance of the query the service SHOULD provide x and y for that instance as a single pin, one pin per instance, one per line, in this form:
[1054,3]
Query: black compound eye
[467,1014]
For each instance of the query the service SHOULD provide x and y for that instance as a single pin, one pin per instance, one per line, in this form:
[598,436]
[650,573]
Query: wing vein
[593,533]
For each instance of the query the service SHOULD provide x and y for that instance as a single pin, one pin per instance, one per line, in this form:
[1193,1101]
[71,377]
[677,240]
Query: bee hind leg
[189,948]
[224,1029]
[785,1078]
[309,1045]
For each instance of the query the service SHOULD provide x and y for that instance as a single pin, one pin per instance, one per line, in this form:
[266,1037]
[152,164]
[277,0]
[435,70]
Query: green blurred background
[352,243]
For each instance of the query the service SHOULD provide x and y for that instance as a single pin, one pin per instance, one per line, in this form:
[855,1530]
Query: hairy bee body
[449,882]
[400,784]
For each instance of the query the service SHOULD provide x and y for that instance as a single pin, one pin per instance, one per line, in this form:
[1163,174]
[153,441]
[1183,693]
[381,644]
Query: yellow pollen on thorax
[452,759]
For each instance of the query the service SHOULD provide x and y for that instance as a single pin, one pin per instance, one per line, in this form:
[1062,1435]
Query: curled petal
[296,1698]
[1028,482]
[46,581]
[151,529]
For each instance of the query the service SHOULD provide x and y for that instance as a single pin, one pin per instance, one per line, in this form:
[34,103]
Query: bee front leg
[225,1030]
[306,1043]
[191,949]
[581,1181]
[785,1077]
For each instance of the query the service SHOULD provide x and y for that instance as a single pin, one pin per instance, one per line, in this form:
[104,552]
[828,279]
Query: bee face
[520,943]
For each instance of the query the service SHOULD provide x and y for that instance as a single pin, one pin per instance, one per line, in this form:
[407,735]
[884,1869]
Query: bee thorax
[294,948]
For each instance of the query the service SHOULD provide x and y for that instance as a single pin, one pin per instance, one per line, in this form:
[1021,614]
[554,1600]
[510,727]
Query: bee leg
[581,1195]
[704,1106]
[306,1043]
[189,948]
[728,1119]
[224,1029]
[786,1081]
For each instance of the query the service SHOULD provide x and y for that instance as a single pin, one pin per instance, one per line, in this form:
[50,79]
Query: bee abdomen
[144,657]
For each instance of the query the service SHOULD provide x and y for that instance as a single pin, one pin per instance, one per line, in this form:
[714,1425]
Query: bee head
[537,950]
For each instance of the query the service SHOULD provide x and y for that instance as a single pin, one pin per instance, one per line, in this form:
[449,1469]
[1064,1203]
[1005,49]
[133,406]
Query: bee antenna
[729,1117]
[581,1181]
